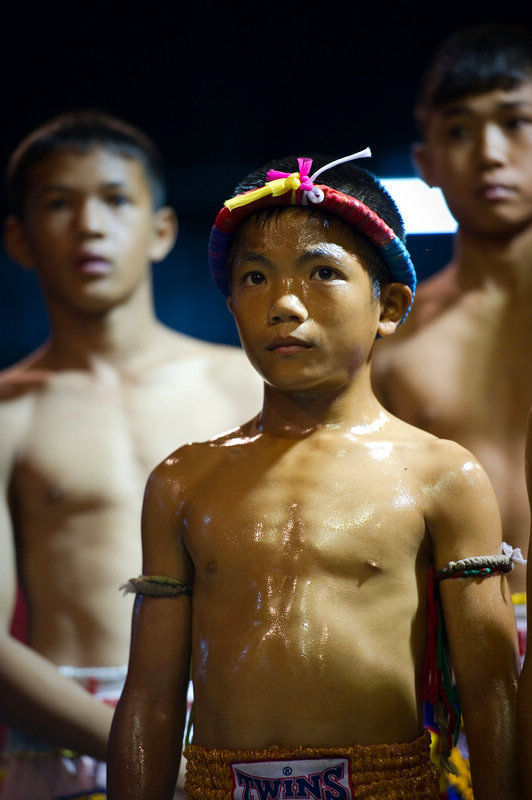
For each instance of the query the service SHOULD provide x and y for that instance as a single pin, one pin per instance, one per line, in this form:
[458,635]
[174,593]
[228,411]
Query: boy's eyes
[325,274]
[57,203]
[254,278]
[518,122]
[118,199]
[456,133]
[322,274]
[461,131]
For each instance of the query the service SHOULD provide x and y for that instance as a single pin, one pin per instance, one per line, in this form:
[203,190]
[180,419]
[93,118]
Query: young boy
[299,549]
[84,420]
[462,368]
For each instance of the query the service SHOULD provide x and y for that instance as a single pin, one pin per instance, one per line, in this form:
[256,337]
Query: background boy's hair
[474,60]
[80,131]
[350,180]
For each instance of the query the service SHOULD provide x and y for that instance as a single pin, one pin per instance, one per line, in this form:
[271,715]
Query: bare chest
[93,443]
[305,513]
[479,397]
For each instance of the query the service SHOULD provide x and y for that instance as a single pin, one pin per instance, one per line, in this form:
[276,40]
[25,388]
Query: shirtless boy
[298,548]
[461,369]
[525,680]
[84,420]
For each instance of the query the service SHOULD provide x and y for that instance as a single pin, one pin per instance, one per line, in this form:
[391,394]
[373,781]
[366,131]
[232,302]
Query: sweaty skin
[460,368]
[308,535]
[84,420]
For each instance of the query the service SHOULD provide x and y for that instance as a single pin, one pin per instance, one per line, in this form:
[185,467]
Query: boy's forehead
[294,227]
[485,102]
[69,167]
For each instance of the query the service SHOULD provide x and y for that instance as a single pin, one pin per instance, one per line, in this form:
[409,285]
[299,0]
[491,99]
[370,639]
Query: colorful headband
[297,188]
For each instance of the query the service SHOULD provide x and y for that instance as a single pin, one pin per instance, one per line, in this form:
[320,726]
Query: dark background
[222,88]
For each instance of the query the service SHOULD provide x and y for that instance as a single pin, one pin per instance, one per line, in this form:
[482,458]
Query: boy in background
[83,421]
[460,369]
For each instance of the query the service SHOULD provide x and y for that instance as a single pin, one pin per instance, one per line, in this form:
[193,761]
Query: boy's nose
[492,145]
[90,218]
[287,307]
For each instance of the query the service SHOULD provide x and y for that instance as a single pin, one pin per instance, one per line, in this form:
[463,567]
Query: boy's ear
[394,301]
[229,304]
[422,162]
[16,243]
[165,227]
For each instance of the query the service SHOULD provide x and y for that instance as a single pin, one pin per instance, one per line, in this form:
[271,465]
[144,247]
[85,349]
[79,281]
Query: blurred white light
[423,209]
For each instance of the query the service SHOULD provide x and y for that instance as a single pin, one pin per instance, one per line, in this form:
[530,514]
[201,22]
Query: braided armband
[476,567]
[438,687]
[156,586]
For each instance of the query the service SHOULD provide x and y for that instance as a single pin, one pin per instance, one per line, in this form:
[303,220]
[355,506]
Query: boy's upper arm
[161,625]
[464,522]
[463,516]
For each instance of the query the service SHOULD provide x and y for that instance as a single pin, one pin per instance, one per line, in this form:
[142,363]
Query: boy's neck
[504,261]
[297,415]
[122,336]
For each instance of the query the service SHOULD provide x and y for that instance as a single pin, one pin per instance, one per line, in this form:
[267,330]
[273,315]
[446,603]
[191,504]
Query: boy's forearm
[490,723]
[144,751]
[37,699]
[525,730]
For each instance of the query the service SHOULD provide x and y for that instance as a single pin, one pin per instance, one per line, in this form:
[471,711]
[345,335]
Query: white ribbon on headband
[315,195]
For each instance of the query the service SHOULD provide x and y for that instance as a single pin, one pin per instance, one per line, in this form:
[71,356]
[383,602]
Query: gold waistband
[379,772]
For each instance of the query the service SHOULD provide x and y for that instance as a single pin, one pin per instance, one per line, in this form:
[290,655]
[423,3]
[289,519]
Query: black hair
[474,60]
[349,179]
[81,131]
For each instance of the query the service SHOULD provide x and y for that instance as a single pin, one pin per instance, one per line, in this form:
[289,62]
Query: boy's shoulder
[222,365]
[437,457]
[192,462]
[25,377]
[20,386]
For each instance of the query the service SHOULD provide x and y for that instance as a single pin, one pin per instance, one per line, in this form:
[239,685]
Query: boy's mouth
[288,344]
[93,264]
[495,191]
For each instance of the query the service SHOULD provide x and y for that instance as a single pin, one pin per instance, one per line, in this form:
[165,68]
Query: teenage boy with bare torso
[461,367]
[84,419]
[291,559]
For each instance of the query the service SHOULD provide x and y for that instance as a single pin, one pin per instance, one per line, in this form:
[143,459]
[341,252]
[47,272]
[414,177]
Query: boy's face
[478,149]
[89,228]
[303,302]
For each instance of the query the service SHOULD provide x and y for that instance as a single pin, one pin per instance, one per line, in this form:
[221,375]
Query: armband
[482,566]
[156,586]
[437,685]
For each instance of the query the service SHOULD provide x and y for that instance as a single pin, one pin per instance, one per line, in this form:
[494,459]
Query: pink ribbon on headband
[304,170]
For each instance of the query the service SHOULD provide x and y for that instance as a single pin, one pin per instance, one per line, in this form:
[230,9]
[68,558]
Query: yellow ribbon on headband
[275,188]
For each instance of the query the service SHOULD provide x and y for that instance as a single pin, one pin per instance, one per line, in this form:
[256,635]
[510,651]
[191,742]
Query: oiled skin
[308,536]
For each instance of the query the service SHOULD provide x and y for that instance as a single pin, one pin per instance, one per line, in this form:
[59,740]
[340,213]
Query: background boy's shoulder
[24,378]
[20,386]
[221,366]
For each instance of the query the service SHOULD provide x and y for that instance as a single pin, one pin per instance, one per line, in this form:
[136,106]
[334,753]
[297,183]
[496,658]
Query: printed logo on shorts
[298,779]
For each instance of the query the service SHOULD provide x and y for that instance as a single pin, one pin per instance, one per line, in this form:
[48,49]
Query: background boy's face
[478,149]
[89,228]
[303,302]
